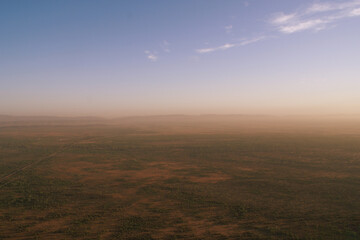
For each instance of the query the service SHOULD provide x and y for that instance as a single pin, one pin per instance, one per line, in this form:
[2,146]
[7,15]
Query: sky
[139,57]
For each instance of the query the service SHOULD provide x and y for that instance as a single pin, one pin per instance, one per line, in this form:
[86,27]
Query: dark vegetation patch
[113,183]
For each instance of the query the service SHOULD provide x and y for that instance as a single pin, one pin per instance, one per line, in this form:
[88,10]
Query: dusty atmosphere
[180,177]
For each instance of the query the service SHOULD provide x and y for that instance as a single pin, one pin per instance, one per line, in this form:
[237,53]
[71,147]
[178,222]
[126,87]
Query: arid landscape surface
[180,177]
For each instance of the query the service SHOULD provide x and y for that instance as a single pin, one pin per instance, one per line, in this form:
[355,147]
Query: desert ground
[180,177]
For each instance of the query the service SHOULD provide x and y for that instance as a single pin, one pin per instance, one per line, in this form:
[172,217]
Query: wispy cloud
[317,16]
[245,42]
[222,47]
[332,6]
[315,24]
[281,18]
[165,46]
[228,28]
[226,46]
[152,56]
[355,12]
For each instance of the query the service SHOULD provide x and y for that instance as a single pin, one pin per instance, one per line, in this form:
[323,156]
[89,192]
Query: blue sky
[120,58]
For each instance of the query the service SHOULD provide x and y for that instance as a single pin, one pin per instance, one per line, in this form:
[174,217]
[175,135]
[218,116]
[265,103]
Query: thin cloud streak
[222,47]
[282,18]
[325,7]
[316,17]
[355,12]
[243,42]
[315,24]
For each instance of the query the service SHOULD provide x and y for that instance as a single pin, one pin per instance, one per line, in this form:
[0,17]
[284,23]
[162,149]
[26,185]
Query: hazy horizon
[142,58]
[192,119]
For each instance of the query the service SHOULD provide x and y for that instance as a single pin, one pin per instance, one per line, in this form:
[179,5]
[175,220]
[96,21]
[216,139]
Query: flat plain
[178,177]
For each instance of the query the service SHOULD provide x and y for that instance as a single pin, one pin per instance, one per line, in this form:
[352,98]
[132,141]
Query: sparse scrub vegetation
[114,183]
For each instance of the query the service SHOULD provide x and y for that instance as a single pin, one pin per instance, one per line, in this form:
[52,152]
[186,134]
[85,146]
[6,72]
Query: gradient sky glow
[121,58]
